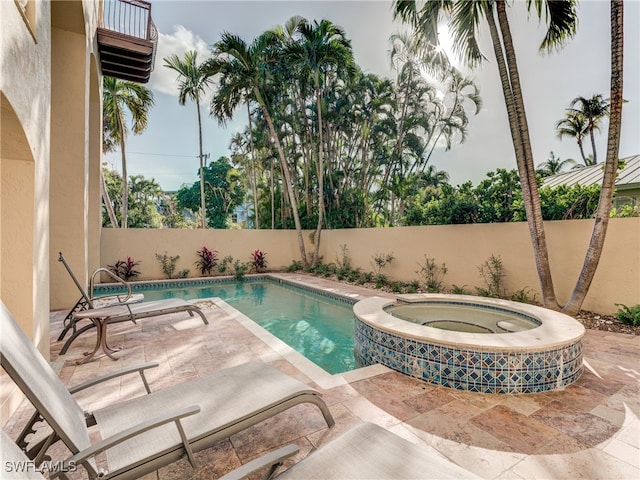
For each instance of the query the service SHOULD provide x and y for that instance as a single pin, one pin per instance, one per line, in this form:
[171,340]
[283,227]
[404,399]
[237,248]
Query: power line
[165,154]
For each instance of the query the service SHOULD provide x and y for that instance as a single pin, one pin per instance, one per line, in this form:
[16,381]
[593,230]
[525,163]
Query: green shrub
[168,264]
[523,296]
[628,315]
[432,274]
[239,270]
[381,280]
[380,261]
[460,290]
[296,266]
[492,272]
[226,264]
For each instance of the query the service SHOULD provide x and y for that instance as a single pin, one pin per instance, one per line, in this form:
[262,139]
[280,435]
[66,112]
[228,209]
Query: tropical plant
[561,16]
[125,269]
[380,261]
[246,74]
[119,98]
[432,274]
[320,50]
[554,165]
[628,315]
[258,261]
[239,270]
[492,273]
[193,82]
[145,197]
[574,126]
[169,265]
[224,192]
[207,260]
[593,110]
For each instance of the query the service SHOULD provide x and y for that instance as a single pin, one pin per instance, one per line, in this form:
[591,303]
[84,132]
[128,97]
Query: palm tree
[562,24]
[573,125]
[596,243]
[322,48]
[118,97]
[554,165]
[246,74]
[193,81]
[592,110]
[464,21]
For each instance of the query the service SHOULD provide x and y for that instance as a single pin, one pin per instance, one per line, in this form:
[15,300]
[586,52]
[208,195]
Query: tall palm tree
[562,23]
[246,74]
[118,97]
[596,243]
[193,82]
[464,21]
[321,49]
[554,165]
[592,110]
[574,125]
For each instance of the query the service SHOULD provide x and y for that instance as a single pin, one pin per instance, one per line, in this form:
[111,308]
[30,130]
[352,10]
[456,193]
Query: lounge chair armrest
[273,460]
[119,373]
[114,277]
[125,435]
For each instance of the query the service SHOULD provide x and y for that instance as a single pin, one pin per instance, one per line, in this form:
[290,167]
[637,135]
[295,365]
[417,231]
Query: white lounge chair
[142,434]
[117,308]
[366,452]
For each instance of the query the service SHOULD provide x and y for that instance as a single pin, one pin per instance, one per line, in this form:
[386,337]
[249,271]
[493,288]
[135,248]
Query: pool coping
[556,330]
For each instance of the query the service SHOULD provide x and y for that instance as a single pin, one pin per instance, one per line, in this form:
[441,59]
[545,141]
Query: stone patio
[590,430]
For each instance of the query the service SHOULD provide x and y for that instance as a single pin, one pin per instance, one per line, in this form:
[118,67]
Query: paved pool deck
[590,430]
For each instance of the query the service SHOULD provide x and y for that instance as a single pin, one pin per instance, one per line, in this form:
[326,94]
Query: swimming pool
[317,326]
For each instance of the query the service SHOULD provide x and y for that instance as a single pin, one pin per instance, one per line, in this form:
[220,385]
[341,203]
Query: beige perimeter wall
[463,248]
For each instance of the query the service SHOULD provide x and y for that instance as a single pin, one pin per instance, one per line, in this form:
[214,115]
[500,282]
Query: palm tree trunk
[254,181]
[593,146]
[107,202]
[287,180]
[273,197]
[524,159]
[203,209]
[584,157]
[314,258]
[601,222]
[125,184]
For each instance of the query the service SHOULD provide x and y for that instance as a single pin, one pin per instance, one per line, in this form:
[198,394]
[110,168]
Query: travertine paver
[590,430]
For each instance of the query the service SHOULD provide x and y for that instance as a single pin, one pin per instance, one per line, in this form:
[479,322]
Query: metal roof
[628,177]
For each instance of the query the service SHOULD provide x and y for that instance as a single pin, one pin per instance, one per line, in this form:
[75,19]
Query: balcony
[127,40]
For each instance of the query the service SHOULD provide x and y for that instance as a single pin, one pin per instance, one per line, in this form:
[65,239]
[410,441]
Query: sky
[168,149]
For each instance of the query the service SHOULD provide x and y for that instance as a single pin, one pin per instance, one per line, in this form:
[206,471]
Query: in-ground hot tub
[522,348]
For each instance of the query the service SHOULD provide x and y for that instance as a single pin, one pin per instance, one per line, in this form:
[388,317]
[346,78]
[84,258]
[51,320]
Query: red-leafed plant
[125,269]
[208,260]
[258,261]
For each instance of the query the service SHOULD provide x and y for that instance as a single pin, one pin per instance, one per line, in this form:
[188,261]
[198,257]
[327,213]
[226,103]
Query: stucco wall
[25,83]
[463,248]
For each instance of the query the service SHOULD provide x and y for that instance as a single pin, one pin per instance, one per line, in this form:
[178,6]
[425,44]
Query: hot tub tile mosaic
[488,372]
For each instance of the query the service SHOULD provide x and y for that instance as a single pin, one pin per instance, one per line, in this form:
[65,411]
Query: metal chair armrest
[127,434]
[273,460]
[119,373]
[114,277]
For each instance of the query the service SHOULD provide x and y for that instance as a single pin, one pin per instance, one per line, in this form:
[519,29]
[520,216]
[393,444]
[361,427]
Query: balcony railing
[127,40]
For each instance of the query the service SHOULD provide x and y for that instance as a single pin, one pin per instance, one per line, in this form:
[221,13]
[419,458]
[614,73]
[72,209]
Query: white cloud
[179,42]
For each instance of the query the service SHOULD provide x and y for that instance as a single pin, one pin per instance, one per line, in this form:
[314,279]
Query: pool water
[463,318]
[318,327]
